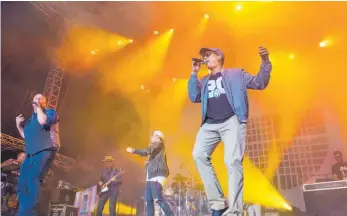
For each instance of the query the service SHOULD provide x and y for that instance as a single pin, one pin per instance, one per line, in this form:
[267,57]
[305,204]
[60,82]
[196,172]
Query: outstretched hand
[130,150]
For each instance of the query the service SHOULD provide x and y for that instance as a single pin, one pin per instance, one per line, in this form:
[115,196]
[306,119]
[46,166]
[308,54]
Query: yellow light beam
[121,209]
[85,46]
[138,67]
[170,100]
[259,190]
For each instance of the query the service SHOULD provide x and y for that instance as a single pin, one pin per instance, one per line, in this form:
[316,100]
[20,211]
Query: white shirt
[160,179]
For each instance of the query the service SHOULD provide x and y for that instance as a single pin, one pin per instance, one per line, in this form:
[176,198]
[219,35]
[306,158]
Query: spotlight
[156,32]
[323,44]
[238,7]
[206,16]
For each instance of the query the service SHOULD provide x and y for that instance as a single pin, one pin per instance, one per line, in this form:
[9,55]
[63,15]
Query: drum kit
[184,199]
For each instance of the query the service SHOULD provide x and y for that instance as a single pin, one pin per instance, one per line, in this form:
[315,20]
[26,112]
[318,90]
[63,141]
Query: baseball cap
[159,134]
[216,50]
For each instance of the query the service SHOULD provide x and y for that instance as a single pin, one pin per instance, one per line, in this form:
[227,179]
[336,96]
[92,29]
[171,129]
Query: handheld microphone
[199,60]
[34,103]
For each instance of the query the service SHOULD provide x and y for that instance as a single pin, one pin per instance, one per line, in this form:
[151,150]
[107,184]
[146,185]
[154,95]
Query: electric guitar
[104,187]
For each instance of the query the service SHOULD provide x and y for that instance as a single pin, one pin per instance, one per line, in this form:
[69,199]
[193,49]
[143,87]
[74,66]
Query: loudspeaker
[63,196]
[329,202]
[63,210]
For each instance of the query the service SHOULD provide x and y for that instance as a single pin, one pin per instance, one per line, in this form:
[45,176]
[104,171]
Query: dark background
[92,123]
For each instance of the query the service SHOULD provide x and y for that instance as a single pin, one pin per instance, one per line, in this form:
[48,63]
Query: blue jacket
[236,82]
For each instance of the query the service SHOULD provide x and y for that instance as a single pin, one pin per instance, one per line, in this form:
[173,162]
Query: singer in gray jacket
[224,101]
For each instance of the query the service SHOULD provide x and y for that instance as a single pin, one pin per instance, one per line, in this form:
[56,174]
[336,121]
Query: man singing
[157,171]
[113,188]
[41,136]
[223,95]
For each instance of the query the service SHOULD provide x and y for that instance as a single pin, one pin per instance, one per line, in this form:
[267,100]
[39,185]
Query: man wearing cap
[113,188]
[157,171]
[224,100]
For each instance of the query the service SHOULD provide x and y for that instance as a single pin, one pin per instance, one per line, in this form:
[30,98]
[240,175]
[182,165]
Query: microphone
[33,102]
[199,60]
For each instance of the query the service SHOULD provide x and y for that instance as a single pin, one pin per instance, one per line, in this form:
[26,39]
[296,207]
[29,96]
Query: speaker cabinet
[63,196]
[329,202]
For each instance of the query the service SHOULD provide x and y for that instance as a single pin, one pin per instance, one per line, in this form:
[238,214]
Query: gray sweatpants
[233,135]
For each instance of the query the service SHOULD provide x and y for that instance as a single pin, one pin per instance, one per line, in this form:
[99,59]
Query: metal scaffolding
[53,83]
[14,144]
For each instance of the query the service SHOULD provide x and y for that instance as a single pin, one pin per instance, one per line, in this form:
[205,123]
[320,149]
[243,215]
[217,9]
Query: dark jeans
[33,170]
[112,195]
[154,192]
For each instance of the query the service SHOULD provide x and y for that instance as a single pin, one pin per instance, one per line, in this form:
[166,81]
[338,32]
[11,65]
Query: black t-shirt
[340,169]
[218,107]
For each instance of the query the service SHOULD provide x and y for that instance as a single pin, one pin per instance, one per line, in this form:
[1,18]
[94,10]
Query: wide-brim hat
[108,159]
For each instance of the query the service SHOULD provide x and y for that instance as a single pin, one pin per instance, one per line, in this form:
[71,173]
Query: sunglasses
[208,53]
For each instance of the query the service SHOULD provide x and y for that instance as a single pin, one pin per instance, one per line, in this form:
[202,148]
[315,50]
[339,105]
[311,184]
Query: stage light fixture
[323,44]
[238,7]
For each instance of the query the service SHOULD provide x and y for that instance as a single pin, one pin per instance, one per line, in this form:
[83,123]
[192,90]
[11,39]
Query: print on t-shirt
[340,169]
[218,106]
[215,88]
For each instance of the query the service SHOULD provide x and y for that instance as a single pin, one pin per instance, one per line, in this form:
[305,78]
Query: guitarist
[157,171]
[113,188]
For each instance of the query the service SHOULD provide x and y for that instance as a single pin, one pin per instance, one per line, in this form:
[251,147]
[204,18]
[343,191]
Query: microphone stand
[179,199]
[200,203]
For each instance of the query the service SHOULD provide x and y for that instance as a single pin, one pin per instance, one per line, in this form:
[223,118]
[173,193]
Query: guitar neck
[113,178]
[109,181]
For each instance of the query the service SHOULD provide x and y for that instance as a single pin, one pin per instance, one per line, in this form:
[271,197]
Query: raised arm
[47,118]
[261,80]
[142,152]
[194,88]
[194,85]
